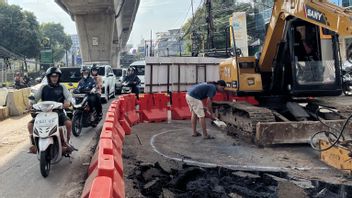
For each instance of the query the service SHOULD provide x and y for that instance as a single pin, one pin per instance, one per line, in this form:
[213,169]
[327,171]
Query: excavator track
[243,117]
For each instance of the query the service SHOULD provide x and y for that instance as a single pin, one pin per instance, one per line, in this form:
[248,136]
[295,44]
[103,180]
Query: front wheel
[77,123]
[45,162]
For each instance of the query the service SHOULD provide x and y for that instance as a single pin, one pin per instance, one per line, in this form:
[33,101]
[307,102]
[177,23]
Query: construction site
[277,122]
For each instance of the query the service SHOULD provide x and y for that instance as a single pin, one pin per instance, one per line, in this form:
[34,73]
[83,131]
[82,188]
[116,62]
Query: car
[119,79]
[140,67]
[109,82]
[70,77]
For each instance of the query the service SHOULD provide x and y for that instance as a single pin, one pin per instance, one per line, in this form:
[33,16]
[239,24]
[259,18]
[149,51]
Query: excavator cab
[314,60]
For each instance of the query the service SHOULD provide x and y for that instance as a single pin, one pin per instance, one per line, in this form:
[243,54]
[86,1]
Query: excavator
[300,64]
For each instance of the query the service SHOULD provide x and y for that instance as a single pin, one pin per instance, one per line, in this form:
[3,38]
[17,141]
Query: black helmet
[52,70]
[85,68]
[94,67]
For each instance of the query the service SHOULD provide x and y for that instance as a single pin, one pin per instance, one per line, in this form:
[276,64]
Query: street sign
[46,56]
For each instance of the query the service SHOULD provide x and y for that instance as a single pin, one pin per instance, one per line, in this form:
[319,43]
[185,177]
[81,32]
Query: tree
[60,42]
[19,31]
[222,11]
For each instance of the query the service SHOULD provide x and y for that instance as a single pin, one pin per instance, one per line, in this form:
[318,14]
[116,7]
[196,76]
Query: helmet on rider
[94,70]
[53,72]
[85,71]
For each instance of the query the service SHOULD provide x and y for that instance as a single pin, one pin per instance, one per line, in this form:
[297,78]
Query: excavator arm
[318,12]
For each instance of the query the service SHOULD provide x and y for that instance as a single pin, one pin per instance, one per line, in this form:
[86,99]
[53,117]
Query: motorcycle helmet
[53,70]
[84,68]
[94,68]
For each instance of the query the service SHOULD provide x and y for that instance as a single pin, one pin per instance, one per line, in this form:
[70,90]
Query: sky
[156,15]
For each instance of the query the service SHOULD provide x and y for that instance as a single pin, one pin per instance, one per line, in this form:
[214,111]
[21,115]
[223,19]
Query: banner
[239,24]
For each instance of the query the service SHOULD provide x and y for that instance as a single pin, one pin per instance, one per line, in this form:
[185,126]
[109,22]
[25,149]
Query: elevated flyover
[103,26]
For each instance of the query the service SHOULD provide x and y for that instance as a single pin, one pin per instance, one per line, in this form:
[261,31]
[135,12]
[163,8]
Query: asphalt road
[20,174]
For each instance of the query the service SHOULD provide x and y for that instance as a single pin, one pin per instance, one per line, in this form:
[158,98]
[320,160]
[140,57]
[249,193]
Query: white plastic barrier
[3,96]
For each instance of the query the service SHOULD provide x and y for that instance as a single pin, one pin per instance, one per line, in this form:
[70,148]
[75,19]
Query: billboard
[239,24]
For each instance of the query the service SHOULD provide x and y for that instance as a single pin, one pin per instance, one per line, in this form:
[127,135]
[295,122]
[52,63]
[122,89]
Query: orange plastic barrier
[153,107]
[129,108]
[109,164]
[179,107]
[101,187]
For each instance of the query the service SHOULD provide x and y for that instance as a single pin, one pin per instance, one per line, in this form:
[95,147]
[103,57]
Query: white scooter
[46,133]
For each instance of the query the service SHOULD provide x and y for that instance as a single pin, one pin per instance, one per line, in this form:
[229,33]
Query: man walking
[194,98]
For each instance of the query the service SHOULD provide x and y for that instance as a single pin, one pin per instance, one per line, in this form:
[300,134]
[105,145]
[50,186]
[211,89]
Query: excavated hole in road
[154,181]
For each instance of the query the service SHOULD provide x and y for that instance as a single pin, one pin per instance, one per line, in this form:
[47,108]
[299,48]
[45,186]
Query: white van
[140,66]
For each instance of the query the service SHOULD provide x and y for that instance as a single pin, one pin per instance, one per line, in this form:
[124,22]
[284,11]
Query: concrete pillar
[96,34]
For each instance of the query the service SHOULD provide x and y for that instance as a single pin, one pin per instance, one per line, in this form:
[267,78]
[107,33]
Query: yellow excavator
[299,63]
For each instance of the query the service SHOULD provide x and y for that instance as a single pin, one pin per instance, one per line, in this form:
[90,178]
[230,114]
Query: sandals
[196,135]
[209,137]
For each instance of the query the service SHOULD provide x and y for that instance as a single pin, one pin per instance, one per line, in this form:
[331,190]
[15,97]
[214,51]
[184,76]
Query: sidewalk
[13,132]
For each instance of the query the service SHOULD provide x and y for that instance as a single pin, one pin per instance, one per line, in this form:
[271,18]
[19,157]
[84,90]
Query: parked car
[140,67]
[119,79]
[109,82]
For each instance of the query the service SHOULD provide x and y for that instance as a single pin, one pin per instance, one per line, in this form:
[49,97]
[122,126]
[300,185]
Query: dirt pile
[190,181]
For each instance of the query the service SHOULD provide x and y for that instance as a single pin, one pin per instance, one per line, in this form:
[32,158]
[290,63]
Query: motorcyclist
[87,85]
[53,91]
[133,81]
[99,84]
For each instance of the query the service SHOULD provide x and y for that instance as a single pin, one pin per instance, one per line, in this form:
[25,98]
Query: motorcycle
[48,135]
[83,115]
[126,89]
[347,81]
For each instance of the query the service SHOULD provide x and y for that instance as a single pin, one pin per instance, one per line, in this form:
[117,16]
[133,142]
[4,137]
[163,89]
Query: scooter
[48,135]
[126,89]
[83,115]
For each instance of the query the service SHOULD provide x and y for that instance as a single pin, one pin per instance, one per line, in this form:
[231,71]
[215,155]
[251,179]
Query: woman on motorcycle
[99,84]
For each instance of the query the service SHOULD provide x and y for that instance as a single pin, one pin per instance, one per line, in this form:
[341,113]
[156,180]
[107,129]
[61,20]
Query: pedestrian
[194,98]
[18,81]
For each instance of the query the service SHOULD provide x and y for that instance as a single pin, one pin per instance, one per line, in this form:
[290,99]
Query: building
[169,43]
[74,54]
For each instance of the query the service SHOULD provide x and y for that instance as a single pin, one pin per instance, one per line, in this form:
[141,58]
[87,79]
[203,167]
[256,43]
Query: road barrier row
[105,172]
[17,101]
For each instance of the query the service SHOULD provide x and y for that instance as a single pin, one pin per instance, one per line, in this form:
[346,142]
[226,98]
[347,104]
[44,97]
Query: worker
[194,98]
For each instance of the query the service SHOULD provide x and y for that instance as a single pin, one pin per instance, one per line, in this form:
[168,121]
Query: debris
[248,175]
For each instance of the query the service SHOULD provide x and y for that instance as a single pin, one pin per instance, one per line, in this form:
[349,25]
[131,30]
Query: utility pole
[151,42]
[210,22]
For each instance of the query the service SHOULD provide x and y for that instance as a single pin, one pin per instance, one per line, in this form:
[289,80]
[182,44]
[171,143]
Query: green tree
[60,41]
[19,31]
[222,11]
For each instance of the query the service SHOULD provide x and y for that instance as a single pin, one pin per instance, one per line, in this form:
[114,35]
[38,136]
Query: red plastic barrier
[153,107]
[179,108]
[129,105]
[101,188]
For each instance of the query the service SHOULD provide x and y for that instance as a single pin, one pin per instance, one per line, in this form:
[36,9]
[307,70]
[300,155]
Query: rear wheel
[77,123]
[45,162]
